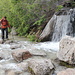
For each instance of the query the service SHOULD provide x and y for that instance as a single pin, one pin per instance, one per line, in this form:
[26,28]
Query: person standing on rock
[4,27]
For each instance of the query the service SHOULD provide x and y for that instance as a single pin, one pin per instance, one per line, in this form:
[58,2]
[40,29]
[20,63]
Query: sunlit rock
[68,71]
[21,54]
[37,52]
[67,50]
[47,32]
[40,66]
[23,66]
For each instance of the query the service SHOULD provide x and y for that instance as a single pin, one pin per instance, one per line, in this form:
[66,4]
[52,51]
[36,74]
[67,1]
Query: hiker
[4,27]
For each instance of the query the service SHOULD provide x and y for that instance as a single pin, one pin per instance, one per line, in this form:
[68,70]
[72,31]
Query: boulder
[23,66]
[68,71]
[66,51]
[47,32]
[36,52]
[21,54]
[40,66]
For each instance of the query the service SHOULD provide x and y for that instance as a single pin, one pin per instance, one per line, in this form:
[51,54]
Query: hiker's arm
[0,22]
[8,25]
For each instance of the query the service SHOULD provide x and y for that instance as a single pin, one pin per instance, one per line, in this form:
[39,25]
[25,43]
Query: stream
[6,59]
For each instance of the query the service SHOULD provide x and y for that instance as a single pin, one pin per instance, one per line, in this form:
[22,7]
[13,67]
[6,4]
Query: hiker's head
[4,17]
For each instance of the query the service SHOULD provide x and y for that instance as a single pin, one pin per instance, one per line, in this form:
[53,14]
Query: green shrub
[40,21]
[59,7]
[31,37]
[73,4]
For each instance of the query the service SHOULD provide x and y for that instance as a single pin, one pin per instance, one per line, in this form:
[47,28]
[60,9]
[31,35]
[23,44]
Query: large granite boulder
[21,54]
[67,50]
[68,71]
[40,66]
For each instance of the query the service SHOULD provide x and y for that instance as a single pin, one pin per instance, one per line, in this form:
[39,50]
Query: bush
[59,7]
[31,37]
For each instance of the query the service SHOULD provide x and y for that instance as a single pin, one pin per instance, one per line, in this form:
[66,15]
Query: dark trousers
[4,30]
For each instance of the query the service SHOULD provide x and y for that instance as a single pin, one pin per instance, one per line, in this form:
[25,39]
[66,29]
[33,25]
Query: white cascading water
[60,28]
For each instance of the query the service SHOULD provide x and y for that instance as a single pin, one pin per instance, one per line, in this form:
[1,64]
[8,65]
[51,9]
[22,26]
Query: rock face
[48,29]
[40,66]
[68,71]
[21,54]
[67,50]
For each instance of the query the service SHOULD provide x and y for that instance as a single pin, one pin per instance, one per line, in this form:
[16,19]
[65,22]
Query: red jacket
[4,24]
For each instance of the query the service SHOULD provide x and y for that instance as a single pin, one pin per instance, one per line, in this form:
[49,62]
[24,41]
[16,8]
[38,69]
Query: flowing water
[61,26]
[5,52]
[60,30]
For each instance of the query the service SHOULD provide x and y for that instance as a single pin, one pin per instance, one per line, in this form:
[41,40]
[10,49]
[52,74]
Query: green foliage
[40,21]
[66,64]
[59,7]
[73,4]
[9,30]
[31,37]
[23,13]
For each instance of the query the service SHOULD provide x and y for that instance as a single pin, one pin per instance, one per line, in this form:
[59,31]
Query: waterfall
[61,27]
[65,25]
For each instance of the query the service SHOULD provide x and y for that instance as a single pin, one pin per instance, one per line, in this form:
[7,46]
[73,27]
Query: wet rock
[15,46]
[21,54]
[40,66]
[67,50]
[37,52]
[10,72]
[68,71]
[23,66]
